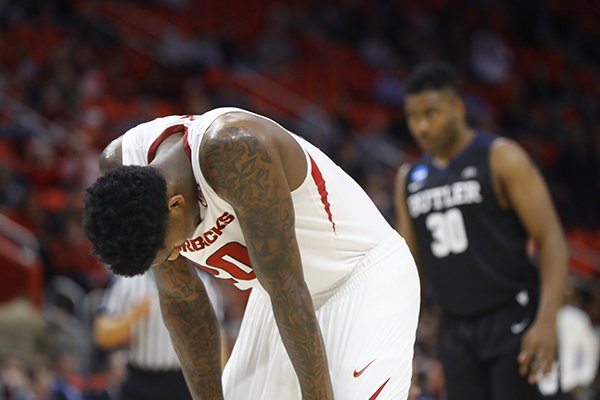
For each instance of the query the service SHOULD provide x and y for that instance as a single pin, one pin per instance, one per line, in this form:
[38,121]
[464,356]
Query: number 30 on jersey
[448,232]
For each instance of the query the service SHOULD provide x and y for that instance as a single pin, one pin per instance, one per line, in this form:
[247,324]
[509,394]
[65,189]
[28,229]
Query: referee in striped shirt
[130,318]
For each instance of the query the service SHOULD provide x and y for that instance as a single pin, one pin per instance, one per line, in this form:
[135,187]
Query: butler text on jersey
[443,197]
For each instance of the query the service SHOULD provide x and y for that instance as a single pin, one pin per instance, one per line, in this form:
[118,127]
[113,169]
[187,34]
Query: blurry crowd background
[75,74]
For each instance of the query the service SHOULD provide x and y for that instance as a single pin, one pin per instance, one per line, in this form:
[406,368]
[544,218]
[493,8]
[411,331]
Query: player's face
[433,118]
[181,224]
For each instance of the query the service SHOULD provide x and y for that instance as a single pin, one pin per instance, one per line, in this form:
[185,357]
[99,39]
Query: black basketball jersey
[472,250]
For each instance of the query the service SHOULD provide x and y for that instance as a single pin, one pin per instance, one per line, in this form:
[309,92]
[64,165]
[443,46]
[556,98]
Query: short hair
[432,76]
[125,218]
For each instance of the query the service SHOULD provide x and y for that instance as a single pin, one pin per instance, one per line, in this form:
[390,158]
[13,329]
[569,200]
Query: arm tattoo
[245,173]
[190,318]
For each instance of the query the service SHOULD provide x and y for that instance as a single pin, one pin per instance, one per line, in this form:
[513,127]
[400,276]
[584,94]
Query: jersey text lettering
[210,236]
[444,197]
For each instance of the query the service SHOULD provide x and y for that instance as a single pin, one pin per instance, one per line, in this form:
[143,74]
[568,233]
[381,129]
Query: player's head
[132,222]
[434,110]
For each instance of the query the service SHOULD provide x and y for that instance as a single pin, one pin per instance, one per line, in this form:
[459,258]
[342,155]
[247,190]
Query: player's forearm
[553,274]
[301,336]
[196,340]
[193,326]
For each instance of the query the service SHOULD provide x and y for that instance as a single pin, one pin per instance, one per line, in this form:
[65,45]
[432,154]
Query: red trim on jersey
[322,188]
[186,144]
[161,138]
[205,269]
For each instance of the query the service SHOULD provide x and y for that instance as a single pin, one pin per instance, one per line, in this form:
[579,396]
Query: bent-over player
[335,291]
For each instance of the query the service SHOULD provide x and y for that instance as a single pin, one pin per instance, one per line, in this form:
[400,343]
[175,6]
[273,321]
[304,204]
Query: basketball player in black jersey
[467,209]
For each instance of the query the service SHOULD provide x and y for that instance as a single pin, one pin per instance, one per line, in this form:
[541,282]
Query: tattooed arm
[241,160]
[193,326]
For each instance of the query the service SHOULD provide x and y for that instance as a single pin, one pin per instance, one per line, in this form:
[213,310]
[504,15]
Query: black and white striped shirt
[150,346]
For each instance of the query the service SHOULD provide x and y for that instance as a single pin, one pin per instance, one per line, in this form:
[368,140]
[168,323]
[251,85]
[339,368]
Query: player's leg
[466,383]
[464,376]
[369,325]
[500,335]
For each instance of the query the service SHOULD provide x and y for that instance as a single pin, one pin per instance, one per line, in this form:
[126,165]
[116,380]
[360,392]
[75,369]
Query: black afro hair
[125,218]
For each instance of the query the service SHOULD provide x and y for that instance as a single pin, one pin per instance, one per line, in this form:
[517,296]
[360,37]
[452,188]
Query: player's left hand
[538,350]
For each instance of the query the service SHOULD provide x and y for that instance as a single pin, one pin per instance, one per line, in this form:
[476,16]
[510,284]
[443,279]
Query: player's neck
[462,140]
[175,166]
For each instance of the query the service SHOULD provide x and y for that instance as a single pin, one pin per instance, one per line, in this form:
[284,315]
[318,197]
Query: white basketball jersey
[336,222]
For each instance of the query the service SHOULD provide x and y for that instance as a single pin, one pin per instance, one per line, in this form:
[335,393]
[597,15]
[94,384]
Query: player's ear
[176,203]
[459,106]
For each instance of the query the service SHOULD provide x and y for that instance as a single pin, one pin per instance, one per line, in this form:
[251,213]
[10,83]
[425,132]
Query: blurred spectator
[107,386]
[274,49]
[180,51]
[42,382]
[22,331]
[14,383]
[67,381]
[29,212]
[578,349]
[12,188]
[491,57]
[69,254]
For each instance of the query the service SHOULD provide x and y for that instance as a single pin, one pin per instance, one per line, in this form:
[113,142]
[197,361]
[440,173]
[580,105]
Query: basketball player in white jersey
[335,291]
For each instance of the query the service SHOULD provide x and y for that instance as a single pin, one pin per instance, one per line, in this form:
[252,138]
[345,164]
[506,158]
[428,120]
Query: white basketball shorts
[368,323]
